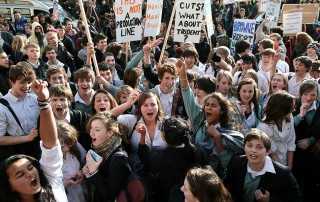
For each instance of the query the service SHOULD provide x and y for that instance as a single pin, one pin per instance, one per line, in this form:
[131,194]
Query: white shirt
[157,143]
[281,141]
[293,85]
[27,111]
[51,164]
[77,97]
[262,81]
[166,101]
[268,167]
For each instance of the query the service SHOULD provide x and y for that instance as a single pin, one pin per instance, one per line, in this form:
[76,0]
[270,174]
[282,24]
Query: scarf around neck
[107,147]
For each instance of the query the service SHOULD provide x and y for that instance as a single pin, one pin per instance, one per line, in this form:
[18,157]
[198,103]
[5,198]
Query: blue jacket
[19,26]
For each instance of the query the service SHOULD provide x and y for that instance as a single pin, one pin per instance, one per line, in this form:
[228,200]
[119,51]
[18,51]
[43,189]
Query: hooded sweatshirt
[34,39]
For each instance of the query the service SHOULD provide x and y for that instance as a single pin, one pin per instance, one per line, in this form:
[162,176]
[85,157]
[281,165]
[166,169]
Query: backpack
[135,189]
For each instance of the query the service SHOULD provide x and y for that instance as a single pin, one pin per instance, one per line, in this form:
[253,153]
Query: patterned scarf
[106,148]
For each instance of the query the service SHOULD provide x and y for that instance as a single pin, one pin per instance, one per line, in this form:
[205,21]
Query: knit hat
[315,46]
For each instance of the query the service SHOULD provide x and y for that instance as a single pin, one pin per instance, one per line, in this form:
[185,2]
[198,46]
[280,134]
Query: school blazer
[282,185]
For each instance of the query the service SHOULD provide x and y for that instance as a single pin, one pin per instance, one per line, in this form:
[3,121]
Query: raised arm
[134,95]
[48,129]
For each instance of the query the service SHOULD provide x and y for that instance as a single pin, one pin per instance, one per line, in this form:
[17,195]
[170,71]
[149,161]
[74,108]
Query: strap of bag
[175,101]
[6,103]
[130,136]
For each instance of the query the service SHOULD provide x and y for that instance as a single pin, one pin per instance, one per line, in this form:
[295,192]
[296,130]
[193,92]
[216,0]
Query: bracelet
[44,106]
[184,79]
[44,101]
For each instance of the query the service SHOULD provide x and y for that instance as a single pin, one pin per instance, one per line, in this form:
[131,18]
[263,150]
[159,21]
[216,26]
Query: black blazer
[282,185]
[79,120]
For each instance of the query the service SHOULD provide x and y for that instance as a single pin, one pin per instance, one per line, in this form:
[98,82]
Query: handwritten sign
[263,5]
[273,11]
[128,20]
[292,23]
[243,29]
[232,1]
[189,17]
[208,17]
[153,17]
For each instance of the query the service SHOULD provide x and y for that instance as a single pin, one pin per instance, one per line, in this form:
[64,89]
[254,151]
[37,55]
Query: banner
[189,17]
[243,29]
[153,17]
[128,20]
[208,17]
[273,11]
[292,23]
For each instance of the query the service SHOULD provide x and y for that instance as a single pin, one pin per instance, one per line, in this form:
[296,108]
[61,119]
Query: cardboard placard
[128,20]
[188,21]
[153,17]
[310,12]
[292,23]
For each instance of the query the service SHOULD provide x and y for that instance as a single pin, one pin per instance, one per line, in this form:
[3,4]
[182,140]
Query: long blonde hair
[19,43]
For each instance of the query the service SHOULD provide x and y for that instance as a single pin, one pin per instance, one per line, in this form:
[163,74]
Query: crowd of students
[204,125]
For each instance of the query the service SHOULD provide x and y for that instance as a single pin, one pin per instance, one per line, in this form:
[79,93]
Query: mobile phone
[216,57]
[94,155]
[262,190]
[75,178]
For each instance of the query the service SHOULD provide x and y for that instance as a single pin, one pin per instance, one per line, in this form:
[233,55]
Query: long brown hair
[142,100]
[279,105]
[254,99]
[206,186]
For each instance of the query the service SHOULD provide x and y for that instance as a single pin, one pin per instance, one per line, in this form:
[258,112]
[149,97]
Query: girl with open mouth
[23,178]
[102,102]
[212,124]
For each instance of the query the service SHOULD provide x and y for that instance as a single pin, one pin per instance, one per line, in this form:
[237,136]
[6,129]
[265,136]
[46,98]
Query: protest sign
[189,17]
[273,11]
[263,6]
[153,17]
[232,1]
[208,17]
[243,29]
[128,20]
[292,23]
[310,12]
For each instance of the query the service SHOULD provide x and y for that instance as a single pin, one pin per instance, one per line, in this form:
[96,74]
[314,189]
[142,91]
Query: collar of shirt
[268,167]
[34,65]
[161,93]
[12,97]
[58,63]
[77,97]
[216,126]
[313,107]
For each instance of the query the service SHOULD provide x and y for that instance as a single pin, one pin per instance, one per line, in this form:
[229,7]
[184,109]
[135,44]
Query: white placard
[153,17]
[263,6]
[128,20]
[189,17]
[208,17]
[243,29]
[229,1]
[292,23]
[273,12]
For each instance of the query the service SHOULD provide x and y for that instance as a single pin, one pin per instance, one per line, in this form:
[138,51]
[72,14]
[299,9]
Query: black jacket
[4,80]
[110,179]
[282,185]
